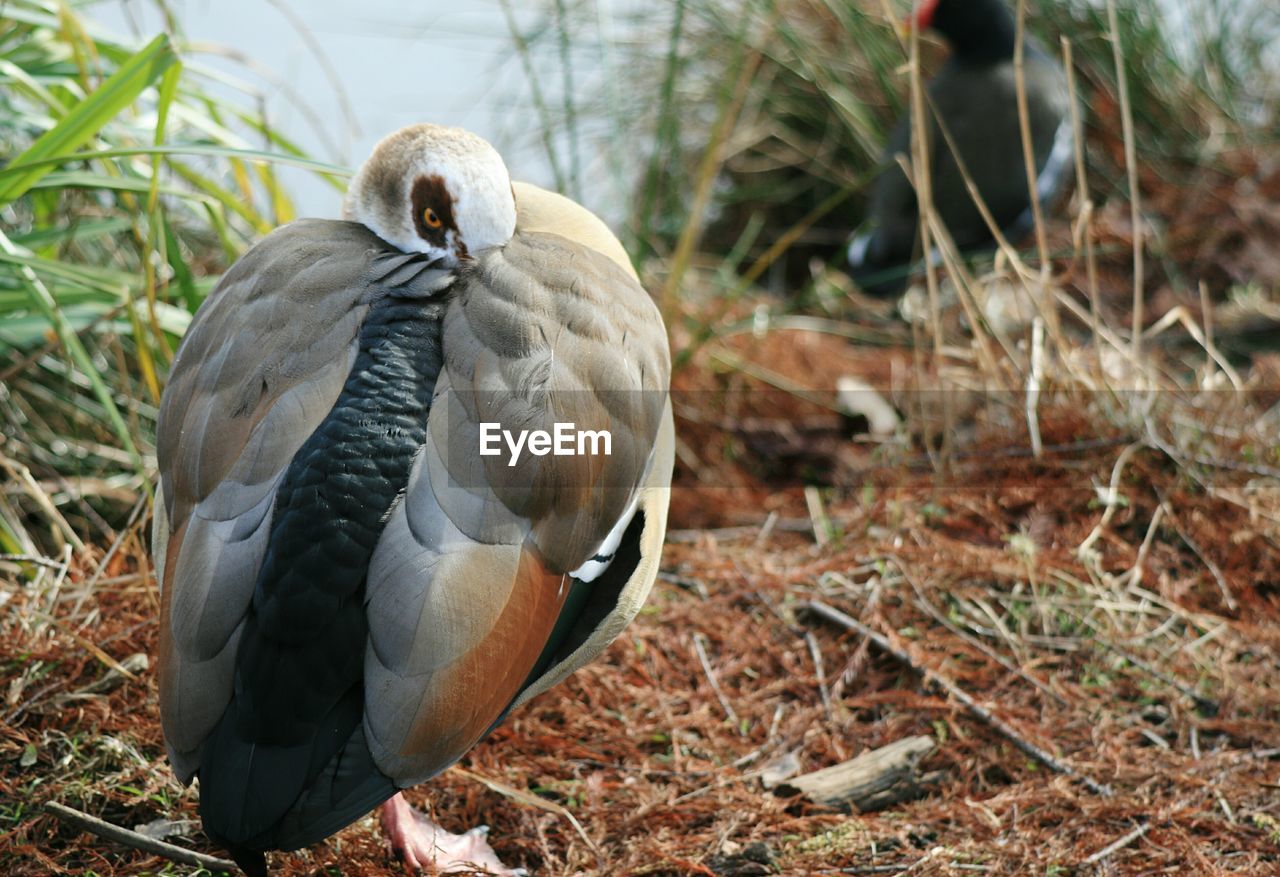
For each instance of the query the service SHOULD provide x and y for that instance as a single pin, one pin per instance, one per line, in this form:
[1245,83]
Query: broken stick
[133,839]
[975,709]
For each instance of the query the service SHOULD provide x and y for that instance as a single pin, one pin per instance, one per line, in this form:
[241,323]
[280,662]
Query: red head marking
[924,14]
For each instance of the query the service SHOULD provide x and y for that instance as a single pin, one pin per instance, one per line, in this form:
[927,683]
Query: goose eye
[430,217]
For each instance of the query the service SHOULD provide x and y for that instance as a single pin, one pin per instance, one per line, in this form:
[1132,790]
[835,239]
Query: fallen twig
[819,672]
[783,525]
[766,529]
[1119,844]
[975,709]
[134,840]
[818,515]
[701,649]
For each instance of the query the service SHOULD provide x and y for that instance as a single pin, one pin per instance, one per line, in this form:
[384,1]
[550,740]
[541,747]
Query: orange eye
[431,219]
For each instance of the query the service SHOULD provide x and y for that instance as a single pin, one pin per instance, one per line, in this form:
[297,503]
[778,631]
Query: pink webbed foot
[426,848]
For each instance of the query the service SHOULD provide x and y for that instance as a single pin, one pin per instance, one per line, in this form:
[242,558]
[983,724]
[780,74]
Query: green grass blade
[89,180]
[88,117]
[42,300]
[77,231]
[228,152]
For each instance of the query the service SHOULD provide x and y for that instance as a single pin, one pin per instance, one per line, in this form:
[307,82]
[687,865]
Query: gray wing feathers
[260,368]
[576,341]
[217,568]
[543,331]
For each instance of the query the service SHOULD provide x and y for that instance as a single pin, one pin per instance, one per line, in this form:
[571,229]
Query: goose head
[436,190]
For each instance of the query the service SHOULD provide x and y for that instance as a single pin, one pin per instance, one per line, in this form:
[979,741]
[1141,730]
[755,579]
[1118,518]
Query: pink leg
[425,847]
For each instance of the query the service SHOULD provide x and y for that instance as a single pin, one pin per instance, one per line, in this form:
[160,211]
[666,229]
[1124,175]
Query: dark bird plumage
[975,94]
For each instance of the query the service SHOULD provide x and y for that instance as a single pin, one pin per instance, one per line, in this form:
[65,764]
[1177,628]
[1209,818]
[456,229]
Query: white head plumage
[436,190]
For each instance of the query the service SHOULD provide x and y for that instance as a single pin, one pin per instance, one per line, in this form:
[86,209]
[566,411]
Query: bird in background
[352,595]
[975,94]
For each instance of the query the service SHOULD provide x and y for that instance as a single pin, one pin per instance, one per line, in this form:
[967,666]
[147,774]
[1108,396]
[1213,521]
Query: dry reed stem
[1044,298]
[921,177]
[1083,231]
[965,287]
[1131,172]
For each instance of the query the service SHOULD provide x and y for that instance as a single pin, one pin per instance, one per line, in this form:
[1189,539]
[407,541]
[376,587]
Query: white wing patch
[1050,177]
[595,566]
[599,562]
[858,250]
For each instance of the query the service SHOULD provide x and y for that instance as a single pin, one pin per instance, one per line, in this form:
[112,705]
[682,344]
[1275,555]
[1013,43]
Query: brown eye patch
[432,207]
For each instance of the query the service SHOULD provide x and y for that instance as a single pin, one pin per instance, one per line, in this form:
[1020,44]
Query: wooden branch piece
[134,840]
[872,781]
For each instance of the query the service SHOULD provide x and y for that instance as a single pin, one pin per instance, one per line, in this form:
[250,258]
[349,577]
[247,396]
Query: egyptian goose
[975,95]
[362,571]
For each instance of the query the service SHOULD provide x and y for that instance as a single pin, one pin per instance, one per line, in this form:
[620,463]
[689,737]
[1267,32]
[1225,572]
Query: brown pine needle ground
[1149,684]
